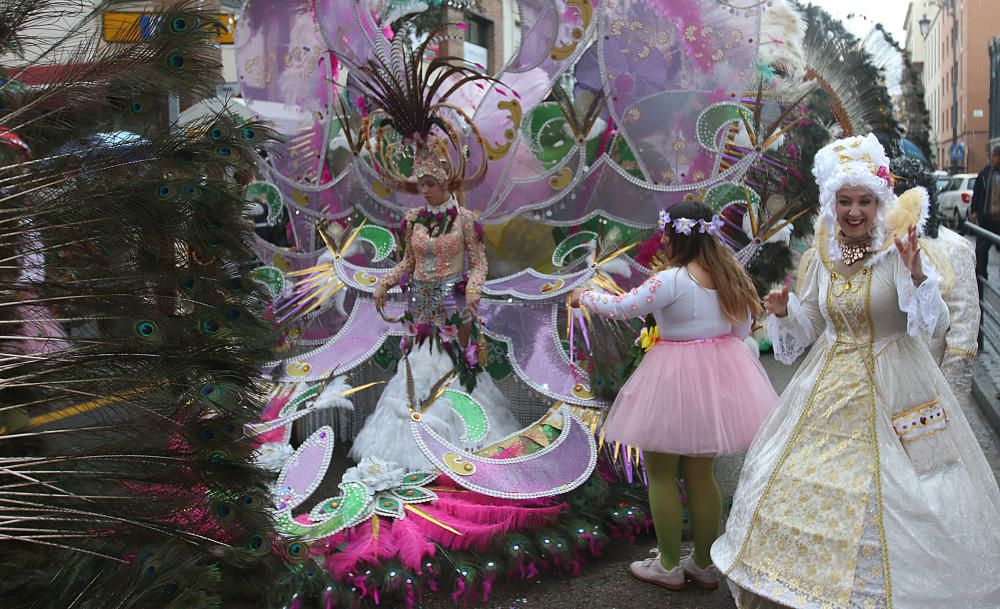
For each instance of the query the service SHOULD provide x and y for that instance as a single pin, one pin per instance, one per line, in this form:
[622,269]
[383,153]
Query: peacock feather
[132,332]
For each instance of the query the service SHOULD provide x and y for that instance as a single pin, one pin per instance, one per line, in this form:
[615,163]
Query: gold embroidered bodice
[819,500]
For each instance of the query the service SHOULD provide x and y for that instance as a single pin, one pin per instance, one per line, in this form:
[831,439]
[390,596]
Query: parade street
[605,583]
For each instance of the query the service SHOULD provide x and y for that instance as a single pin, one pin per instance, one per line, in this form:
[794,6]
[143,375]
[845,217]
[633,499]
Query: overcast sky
[890,13]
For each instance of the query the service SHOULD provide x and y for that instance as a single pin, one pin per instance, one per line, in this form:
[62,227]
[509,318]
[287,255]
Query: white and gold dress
[866,487]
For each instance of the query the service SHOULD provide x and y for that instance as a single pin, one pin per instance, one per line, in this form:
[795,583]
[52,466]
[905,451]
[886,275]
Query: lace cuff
[958,371]
[790,335]
[923,305]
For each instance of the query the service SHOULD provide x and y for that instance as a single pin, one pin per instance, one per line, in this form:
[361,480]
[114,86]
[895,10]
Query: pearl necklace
[853,249]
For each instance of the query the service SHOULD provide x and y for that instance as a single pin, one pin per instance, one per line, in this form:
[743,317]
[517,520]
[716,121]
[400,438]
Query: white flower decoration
[664,219]
[684,225]
[273,455]
[711,227]
[376,474]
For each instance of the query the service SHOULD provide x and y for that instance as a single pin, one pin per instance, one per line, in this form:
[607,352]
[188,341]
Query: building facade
[491,36]
[955,57]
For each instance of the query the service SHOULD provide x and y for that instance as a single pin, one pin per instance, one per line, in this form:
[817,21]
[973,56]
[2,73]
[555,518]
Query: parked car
[956,197]
[942,178]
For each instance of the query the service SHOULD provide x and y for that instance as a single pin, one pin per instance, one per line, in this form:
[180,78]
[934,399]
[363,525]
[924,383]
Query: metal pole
[954,78]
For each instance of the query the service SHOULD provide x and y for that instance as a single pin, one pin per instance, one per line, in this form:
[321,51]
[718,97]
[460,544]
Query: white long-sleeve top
[683,309]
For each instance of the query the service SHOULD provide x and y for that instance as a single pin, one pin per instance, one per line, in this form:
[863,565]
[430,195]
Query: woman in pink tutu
[698,393]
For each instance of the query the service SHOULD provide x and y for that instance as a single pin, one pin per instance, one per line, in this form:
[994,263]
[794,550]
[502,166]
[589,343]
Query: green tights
[704,504]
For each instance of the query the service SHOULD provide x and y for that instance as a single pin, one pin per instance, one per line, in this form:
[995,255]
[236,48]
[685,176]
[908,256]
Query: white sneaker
[707,578]
[652,572]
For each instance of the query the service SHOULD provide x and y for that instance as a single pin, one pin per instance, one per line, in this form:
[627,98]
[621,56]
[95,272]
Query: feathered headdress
[412,121]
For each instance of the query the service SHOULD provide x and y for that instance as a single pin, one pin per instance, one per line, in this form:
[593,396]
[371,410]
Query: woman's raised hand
[910,253]
[776,303]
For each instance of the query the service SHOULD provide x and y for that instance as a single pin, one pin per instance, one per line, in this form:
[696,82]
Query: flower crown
[684,226]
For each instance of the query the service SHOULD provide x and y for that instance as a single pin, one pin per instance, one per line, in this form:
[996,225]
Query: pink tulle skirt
[697,398]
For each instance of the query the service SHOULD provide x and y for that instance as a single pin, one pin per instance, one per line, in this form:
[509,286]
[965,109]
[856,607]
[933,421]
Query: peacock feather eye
[216,133]
[194,192]
[179,24]
[250,501]
[224,151]
[218,456]
[297,549]
[149,571]
[258,544]
[145,328]
[248,134]
[233,314]
[225,512]
[209,391]
[165,191]
[209,326]
[136,107]
[207,434]
[175,60]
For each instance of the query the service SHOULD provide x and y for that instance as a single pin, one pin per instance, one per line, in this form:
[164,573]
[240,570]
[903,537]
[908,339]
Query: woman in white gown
[866,486]
[439,241]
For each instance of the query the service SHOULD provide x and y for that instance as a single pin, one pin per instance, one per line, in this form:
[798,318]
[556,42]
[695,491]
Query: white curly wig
[852,161]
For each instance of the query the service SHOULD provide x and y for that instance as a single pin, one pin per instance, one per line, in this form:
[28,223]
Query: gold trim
[966,353]
[457,464]
[914,409]
[562,179]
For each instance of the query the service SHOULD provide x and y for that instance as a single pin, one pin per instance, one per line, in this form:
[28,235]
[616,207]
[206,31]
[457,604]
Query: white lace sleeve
[654,294]
[926,313]
[791,335]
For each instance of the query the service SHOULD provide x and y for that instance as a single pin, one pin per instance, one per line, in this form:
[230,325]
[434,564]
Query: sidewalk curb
[986,393]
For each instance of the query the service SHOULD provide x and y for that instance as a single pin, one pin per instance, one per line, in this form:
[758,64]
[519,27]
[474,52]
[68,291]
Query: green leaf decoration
[716,118]
[379,238]
[271,278]
[388,354]
[414,494]
[723,195]
[329,516]
[497,363]
[389,506]
[419,478]
[570,244]
[545,129]
[471,413]
[303,397]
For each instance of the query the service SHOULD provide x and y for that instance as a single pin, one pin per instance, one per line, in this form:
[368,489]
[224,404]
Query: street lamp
[948,6]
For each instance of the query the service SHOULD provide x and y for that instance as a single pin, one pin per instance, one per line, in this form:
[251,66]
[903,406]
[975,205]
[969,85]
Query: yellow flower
[648,337]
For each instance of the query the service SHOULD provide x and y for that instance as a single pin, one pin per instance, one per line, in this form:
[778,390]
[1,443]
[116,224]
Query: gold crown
[432,160]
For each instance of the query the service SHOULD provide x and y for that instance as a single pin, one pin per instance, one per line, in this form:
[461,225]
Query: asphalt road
[605,584]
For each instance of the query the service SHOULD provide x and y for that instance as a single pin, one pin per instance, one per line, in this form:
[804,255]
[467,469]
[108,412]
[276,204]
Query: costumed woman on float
[699,391]
[866,487]
[440,241]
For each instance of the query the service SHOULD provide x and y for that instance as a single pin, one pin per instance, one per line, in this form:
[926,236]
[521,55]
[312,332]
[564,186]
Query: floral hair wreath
[684,226]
